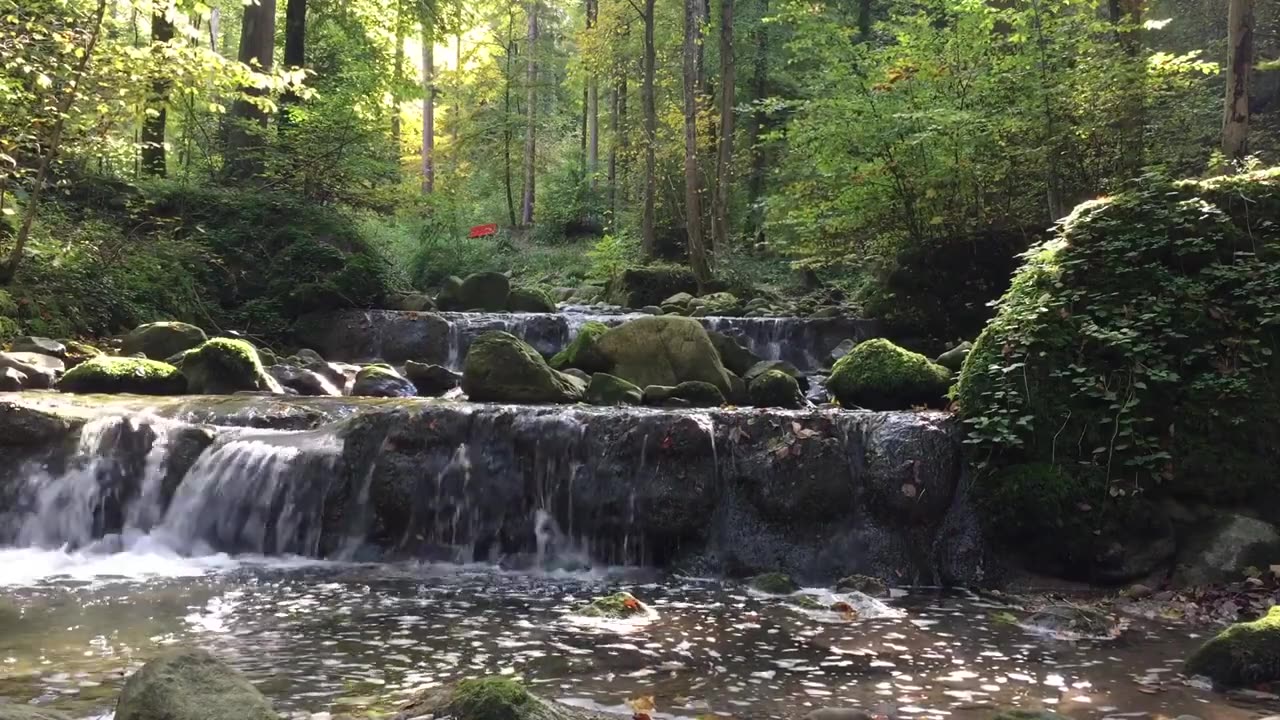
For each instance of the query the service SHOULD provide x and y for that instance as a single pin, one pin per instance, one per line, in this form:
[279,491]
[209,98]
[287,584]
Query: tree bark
[428,100]
[692,178]
[864,20]
[755,130]
[397,80]
[1235,117]
[648,232]
[295,47]
[248,121]
[593,108]
[531,129]
[1127,16]
[154,160]
[506,119]
[10,268]
[724,154]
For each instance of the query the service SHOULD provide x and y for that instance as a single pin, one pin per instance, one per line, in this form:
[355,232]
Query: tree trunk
[724,155]
[457,97]
[154,161]
[692,177]
[428,101]
[506,120]
[864,20]
[593,108]
[755,130]
[648,233]
[397,81]
[248,120]
[1127,16]
[1235,117]
[295,47]
[10,268]
[531,129]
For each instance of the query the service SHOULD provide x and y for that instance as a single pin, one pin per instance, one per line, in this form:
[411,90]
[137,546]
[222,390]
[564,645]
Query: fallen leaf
[641,706]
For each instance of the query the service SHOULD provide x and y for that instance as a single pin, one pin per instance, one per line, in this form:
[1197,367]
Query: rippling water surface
[344,638]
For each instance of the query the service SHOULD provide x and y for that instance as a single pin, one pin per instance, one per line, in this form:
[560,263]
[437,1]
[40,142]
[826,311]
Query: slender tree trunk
[864,20]
[506,120]
[755,130]
[54,143]
[397,81]
[457,97]
[724,154]
[428,101]
[295,47]
[692,176]
[1235,117]
[531,128]
[1127,16]
[593,108]
[248,120]
[648,231]
[154,160]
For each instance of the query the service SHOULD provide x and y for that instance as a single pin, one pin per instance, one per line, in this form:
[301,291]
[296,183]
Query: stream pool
[328,639]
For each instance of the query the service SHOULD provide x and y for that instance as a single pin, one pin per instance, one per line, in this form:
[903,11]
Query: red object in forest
[480,231]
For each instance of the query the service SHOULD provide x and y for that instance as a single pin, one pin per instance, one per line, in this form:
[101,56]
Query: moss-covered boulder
[775,388]
[501,367]
[1244,654]
[736,357]
[783,366]
[774,583]
[162,340]
[618,606]
[190,684]
[109,374]
[450,296]
[606,389]
[431,380]
[865,584]
[489,698]
[637,287]
[717,304]
[953,359]
[663,350]
[78,352]
[582,353]
[686,394]
[530,300]
[409,301]
[1137,351]
[382,381]
[488,291]
[879,375]
[224,366]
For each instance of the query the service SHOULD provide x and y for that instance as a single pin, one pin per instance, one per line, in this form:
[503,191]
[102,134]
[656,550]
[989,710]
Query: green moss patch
[774,583]
[582,353]
[1243,654]
[109,374]
[224,366]
[879,375]
[618,606]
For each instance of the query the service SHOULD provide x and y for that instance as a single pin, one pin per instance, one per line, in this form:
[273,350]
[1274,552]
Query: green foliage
[1137,350]
[879,375]
[611,255]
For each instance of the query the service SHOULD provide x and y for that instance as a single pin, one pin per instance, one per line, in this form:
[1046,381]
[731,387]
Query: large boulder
[224,366]
[41,345]
[488,291]
[431,380]
[40,371]
[382,381]
[12,380]
[582,352]
[109,374]
[450,296]
[1223,546]
[735,356]
[1244,654]
[953,359]
[781,366]
[23,425]
[718,303]
[605,389]
[410,301]
[530,300]
[879,375]
[664,350]
[692,393]
[304,382]
[638,287]
[162,340]
[190,684]
[774,388]
[503,368]
[489,698]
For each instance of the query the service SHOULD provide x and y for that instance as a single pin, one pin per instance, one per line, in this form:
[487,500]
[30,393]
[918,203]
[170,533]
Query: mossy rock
[530,300]
[879,375]
[618,606]
[488,291]
[774,583]
[865,584]
[431,380]
[680,299]
[224,366]
[735,357]
[109,374]
[774,388]
[382,381]
[953,359]
[78,352]
[665,350]
[718,303]
[503,368]
[606,389]
[190,684]
[582,353]
[637,287]
[162,340]
[686,394]
[489,698]
[1244,654]
[450,296]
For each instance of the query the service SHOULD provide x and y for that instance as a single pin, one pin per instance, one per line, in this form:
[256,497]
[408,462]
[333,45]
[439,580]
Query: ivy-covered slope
[1136,356]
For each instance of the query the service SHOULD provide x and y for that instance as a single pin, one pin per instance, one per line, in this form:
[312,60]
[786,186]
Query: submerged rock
[162,340]
[225,366]
[109,374]
[774,583]
[431,380]
[502,368]
[879,375]
[488,291]
[605,389]
[382,381]
[618,606]
[22,711]
[1243,654]
[1073,621]
[664,350]
[190,684]
[872,586]
[489,698]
